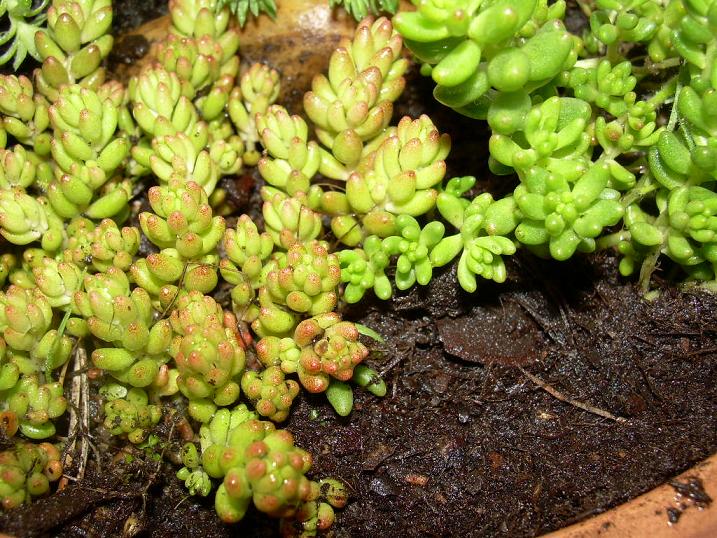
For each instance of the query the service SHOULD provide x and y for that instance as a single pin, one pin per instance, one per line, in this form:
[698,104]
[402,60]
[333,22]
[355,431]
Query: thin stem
[585,8]
[654,68]
[674,115]
[670,88]
[563,398]
[612,240]
[650,262]
[644,187]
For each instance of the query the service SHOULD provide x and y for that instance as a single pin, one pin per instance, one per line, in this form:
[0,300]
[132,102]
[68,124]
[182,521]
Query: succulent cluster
[242,8]
[359,9]
[258,464]
[82,267]
[128,412]
[26,472]
[23,18]
[584,122]
[182,298]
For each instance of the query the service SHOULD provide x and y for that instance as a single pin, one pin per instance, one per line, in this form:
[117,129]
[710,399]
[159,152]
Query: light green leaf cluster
[477,46]
[582,122]
[24,19]
[142,300]
[26,472]
[360,9]
[243,8]
[260,465]
[127,412]
[73,45]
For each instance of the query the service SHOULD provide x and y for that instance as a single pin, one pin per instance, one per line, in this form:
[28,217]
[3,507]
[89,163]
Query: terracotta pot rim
[649,514]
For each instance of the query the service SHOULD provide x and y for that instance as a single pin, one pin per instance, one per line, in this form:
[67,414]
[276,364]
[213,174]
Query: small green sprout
[242,8]
[364,269]
[18,40]
[359,9]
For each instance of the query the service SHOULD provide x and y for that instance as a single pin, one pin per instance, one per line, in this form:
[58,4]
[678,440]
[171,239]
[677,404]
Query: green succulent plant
[258,89]
[473,47]
[364,268]
[271,393]
[569,115]
[257,464]
[25,219]
[20,168]
[26,472]
[566,217]
[328,347]
[35,405]
[209,360]
[128,412]
[73,151]
[600,147]
[352,106]
[359,9]
[305,279]
[25,17]
[242,8]
[484,227]
[73,45]
[25,113]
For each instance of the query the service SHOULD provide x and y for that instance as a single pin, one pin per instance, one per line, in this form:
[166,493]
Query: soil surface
[465,443]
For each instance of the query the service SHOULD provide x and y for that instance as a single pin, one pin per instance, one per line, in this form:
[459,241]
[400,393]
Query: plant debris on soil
[463,444]
[688,493]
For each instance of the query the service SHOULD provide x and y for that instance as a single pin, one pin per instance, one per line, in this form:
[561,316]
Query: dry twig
[560,396]
[79,412]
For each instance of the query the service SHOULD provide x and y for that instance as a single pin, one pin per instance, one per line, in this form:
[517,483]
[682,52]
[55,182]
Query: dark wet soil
[130,14]
[464,444]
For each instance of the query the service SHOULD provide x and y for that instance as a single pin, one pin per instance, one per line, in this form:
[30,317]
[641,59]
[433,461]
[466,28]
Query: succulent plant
[501,45]
[305,279]
[247,251]
[24,19]
[26,324]
[74,150]
[607,148]
[113,247]
[329,348]
[289,220]
[25,114]
[271,393]
[550,98]
[35,405]
[130,414]
[359,9]
[161,103]
[364,268]
[256,462]
[182,220]
[209,360]
[257,90]
[26,471]
[73,45]
[25,219]
[20,168]
[352,106]
[242,8]
[295,160]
